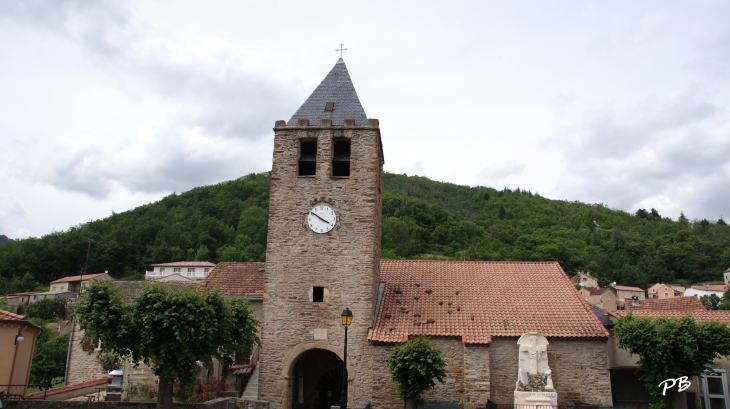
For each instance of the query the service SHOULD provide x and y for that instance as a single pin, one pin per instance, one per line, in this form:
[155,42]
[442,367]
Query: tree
[413,366]
[711,302]
[671,348]
[168,330]
[725,302]
[48,309]
[49,357]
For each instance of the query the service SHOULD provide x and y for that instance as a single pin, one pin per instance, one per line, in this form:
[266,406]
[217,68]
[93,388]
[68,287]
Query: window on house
[666,294]
[341,157]
[176,270]
[585,279]
[329,107]
[307,157]
[205,270]
[189,274]
[191,270]
[162,269]
[317,294]
[243,358]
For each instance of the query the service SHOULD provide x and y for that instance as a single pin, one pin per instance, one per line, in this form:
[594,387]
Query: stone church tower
[323,248]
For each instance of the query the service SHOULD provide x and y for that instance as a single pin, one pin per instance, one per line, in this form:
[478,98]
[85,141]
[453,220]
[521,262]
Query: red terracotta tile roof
[238,278]
[76,278]
[185,264]
[7,315]
[480,300]
[627,288]
[68,388]
[710,287]
[699,316]
[667,304]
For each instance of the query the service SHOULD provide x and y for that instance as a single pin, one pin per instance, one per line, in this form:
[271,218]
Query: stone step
[252,387]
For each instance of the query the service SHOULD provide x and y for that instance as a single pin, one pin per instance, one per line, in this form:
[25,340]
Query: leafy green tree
[413,366]
[49,360]
[711,302]
[725,302]
[203,253]
[671,348]
[109,361]
[168,330]
[48,309]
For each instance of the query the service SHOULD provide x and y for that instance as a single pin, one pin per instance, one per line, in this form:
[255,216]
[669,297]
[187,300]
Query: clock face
[321,219]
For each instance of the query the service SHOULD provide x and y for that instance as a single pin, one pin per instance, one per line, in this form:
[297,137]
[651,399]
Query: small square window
[191,270]
[162,269]
[307,157]
[205,270]
[329,107]
[317,294]
[176,270]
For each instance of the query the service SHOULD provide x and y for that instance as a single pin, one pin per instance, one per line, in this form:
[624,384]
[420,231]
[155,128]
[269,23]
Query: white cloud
[670,153]
[498,174]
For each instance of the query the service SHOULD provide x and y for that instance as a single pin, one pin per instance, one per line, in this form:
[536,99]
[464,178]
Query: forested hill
[421,219]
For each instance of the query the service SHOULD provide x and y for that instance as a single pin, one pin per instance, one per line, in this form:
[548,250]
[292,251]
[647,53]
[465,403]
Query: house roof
[130,288]
[69,279]
[477,300]
[336,87]
[69,388]
[238,278]
[667,304]
[710,287]
[7,315]
[185,264]
[627,288]
[601,315]
[172,277]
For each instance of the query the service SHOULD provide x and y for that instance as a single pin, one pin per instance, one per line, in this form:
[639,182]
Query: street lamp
[346,321]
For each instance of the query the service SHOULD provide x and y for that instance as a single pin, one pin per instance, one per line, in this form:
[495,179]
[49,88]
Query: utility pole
[81,281]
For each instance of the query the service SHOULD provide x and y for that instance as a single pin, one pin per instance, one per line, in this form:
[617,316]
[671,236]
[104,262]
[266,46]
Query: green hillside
[421,219]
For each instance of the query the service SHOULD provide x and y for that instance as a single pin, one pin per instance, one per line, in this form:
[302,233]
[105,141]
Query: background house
[75,283]
[660,290]
[194,270]
[602,298]
[707,289]
[17,343]
[585,279]
[629,391]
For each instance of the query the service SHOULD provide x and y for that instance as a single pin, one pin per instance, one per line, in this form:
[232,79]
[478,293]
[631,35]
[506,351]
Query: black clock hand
[319,217]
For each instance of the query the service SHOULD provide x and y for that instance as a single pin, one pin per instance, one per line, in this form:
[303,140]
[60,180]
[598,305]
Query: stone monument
[534,386]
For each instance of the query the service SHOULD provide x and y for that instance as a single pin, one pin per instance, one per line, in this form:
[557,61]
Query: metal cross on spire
[341,49]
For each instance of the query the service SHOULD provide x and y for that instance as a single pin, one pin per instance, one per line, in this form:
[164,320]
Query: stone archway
[289,374]
[317,375]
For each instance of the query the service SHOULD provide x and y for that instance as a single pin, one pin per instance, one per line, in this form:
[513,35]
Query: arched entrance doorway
[318,380]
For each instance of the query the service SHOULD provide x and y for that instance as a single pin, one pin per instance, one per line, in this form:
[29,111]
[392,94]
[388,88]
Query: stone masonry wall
[346,261]
[468,393]
[476,376]
[579,370]
[82,365]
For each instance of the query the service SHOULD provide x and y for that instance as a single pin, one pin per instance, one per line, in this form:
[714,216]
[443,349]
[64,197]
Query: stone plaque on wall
[320,334]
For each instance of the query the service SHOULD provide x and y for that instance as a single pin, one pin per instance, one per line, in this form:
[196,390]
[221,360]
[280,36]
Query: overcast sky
[107,105]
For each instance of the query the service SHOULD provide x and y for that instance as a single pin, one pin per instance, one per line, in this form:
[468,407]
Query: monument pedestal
[534,387]
[535,400]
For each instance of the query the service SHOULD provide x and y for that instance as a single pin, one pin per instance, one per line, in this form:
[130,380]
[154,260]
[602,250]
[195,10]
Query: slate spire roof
[336,88]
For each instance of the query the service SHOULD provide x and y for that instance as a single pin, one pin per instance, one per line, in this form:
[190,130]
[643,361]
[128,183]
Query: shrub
[212,388]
